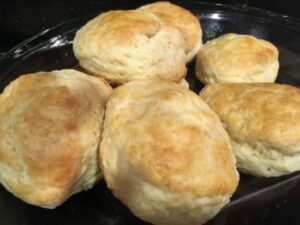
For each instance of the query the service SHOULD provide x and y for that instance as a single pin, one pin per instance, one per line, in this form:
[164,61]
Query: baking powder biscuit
[234,58]
[184,83]
[165,154]
[263,122]
[50,127]
[184,20]
[122,46]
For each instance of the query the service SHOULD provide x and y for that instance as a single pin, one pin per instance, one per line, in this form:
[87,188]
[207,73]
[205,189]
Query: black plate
[52,50]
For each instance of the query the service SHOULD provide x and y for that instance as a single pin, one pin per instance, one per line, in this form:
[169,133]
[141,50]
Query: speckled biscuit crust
[165,154]
[234,58]
[50,127]
[263,122]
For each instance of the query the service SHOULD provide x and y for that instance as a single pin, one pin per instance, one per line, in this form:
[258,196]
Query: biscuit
[234,58]
[263,122]
[50,127]
[165,154]
[184,20]
[122,46]
[184,83]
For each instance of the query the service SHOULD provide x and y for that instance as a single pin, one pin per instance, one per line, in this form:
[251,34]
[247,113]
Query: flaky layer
[259,160]
[159,206]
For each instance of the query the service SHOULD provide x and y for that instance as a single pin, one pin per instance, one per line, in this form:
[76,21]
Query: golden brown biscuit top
[171,138]
[177,16]
[233,53]
[43,117]
[266,112]
[119,27]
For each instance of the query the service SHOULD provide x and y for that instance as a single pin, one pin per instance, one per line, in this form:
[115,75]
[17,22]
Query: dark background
[20,19]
